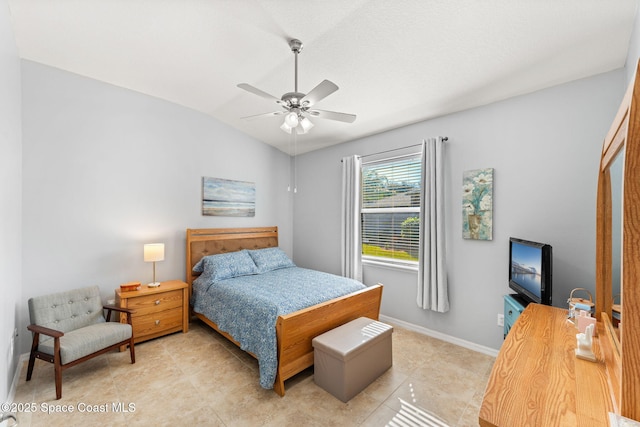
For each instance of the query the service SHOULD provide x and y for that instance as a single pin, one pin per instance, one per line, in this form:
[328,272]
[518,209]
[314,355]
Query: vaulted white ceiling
[396,62]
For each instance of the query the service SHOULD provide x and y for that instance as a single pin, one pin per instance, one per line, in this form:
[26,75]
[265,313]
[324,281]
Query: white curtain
[351,245]
[432,267]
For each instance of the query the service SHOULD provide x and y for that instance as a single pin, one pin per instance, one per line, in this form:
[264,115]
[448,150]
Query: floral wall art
[477,204]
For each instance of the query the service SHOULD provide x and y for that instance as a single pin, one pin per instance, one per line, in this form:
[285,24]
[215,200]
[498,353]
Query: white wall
[10,195]
[545,149]
[107,170]
[634,49]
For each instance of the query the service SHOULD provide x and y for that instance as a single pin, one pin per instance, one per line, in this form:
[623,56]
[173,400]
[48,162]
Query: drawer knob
[510,312]
[157,322]
[157,302]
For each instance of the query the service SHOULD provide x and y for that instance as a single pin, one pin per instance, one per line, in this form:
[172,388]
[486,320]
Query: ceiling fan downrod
[296,47]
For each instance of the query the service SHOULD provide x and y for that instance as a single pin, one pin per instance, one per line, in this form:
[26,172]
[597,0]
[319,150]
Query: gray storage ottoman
[350,357]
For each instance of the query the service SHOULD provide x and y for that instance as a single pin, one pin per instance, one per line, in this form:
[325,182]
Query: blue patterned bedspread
[247,307]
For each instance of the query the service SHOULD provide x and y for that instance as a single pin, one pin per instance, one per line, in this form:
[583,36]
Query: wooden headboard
[211,241]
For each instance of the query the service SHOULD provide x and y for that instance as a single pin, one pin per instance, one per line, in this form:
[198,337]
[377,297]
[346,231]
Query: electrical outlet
[500,319]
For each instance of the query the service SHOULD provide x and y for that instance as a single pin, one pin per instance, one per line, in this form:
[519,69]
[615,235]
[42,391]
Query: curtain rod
[444,138]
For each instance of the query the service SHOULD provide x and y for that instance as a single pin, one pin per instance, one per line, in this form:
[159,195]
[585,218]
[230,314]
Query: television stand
[514,304]
[520,299]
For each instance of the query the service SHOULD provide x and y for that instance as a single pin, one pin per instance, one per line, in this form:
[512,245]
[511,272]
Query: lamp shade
[154,252]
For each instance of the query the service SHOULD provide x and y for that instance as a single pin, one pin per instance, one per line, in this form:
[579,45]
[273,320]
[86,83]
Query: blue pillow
[226,266]
[270,259]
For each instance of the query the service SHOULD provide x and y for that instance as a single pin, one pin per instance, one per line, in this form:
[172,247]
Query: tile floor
[200,379]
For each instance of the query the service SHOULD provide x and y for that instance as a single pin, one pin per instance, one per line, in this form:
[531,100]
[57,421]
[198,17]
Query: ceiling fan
[297,106]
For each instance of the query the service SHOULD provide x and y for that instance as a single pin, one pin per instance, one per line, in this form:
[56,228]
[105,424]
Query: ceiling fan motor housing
[293,99]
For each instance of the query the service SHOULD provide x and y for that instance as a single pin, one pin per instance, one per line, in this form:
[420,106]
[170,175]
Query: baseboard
[16,377]
[439,335]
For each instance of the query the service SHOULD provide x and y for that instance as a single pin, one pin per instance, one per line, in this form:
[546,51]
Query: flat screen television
[530,270]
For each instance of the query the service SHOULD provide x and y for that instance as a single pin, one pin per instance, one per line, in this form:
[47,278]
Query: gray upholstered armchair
[69,328]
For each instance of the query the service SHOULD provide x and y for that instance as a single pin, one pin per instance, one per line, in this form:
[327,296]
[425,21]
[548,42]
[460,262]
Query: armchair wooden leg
[57,363]
[58,373]
[32,356]
[132,351]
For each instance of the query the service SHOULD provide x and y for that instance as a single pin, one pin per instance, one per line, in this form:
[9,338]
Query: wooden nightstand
[158,311]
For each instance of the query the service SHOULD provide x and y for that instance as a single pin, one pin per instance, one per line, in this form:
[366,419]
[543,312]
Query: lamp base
[153,285]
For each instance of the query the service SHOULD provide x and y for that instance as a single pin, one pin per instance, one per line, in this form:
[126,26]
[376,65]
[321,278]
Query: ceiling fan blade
[332,115]
[324,89]
[259,116]
[260,93]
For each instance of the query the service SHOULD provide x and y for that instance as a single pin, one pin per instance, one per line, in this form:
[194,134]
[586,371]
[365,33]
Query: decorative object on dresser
[584,320]
[158,310]
[154,252]
[293,332]
[577,304]
[69,328]
[584,344]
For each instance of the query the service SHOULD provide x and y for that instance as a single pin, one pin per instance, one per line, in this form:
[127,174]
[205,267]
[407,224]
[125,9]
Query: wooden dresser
[158,311]
[538,381]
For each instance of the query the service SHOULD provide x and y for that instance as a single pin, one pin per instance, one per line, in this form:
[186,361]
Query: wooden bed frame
[294,331]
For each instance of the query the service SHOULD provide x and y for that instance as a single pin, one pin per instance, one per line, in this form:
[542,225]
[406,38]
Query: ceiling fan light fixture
[285,127]
[291,119]
[306,124]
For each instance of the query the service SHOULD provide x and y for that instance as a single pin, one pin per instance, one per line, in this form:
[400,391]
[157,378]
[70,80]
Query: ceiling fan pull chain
[295,161]
[296,73]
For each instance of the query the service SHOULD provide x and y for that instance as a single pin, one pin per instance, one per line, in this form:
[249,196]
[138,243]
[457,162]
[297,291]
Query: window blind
[391,209]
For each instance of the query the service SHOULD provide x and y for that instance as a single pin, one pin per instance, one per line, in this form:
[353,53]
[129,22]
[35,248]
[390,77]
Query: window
[390,215]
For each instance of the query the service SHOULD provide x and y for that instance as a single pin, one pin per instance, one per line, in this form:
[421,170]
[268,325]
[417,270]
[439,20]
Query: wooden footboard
[295,331]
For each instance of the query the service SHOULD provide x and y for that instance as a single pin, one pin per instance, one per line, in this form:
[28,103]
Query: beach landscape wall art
[224,197]
[477,204]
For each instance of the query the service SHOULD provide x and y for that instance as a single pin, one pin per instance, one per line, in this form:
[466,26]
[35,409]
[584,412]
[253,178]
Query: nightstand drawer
[155,303]
[156,323]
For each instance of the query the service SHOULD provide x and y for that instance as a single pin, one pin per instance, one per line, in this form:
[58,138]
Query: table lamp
[154,252]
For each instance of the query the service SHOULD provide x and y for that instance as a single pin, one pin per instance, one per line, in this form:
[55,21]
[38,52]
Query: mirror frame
[621,348]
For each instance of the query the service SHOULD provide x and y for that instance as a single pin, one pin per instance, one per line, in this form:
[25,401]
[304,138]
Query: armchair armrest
[111,308]
[120,309]
[46,331]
